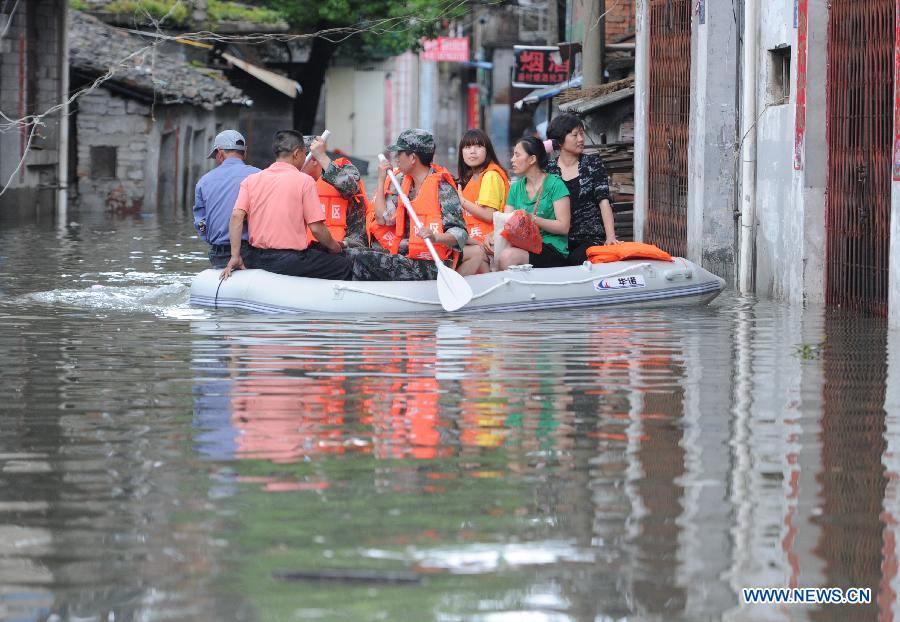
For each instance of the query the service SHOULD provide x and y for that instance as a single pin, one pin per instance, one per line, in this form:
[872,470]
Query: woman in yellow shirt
[484,185]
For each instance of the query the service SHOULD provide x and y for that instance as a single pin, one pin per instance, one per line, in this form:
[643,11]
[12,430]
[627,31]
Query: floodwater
[159,462]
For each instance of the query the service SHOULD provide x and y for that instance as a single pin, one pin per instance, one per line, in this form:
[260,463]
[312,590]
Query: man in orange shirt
[279,203]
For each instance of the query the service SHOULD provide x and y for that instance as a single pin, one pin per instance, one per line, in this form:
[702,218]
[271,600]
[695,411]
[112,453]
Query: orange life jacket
[626,250]
[427,206]
[479,229]
[335,206]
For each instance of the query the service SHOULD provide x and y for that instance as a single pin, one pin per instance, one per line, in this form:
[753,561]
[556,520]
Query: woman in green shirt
[529,162]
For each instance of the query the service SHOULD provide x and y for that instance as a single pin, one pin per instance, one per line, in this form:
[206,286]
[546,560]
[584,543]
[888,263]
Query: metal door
[860,130]
[667,124]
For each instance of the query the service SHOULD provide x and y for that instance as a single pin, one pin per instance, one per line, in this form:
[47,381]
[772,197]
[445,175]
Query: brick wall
[107,121]
[619,19]
[30,55]
[131,159]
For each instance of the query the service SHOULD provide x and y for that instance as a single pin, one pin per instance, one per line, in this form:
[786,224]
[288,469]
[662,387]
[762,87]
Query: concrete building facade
[32,153]
[765,86]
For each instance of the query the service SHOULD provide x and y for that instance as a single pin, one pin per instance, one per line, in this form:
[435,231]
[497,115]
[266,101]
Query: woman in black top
[588,183]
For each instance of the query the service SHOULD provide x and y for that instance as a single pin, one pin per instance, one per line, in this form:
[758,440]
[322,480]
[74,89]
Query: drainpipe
[62,196]
[746,261]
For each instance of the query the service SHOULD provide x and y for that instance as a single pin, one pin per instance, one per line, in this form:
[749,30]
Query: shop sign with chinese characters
[538,66]
[446,49]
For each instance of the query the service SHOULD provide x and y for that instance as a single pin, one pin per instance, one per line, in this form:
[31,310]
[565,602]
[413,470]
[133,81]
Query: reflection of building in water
[852,541]
[776,459]
[657,588]
[705,543]
[889,586]
[658,475]
[99,505]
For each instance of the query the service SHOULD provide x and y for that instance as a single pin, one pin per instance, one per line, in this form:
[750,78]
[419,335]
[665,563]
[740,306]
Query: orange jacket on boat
[335,206]
[427,207]
[479,229]
[626,250]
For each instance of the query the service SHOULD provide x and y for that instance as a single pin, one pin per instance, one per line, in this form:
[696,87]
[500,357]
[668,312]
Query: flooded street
[160,462]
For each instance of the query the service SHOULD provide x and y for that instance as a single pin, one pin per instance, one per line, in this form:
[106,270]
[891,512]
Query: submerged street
[163,462]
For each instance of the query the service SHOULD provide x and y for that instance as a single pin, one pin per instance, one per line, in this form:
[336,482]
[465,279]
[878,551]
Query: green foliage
[390,26]
[177,12]
[78,5]
[224,10]
[809,351]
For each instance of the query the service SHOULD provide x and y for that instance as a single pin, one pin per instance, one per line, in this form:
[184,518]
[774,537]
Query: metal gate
[860,129]
[667,124]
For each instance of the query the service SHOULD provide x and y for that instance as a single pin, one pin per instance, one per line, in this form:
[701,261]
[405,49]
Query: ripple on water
[132,298]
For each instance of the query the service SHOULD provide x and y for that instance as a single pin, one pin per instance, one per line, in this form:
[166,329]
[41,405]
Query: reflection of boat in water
[634,282]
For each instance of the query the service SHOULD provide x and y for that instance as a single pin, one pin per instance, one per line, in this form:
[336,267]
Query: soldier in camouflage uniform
[415,151]
[345,179]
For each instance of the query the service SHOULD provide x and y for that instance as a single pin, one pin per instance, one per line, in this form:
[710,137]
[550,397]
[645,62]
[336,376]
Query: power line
[389,25]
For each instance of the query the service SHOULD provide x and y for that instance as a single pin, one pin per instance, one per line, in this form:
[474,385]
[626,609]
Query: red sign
[536,66]
[802,45]
[447,49]
[472,116]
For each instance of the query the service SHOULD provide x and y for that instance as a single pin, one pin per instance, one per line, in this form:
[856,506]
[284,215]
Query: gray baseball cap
[228,140]
[415,141]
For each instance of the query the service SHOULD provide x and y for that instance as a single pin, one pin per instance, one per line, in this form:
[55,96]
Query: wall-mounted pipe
[62,196]
[747,255]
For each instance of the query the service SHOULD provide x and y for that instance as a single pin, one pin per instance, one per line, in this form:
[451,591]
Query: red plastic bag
[522,232]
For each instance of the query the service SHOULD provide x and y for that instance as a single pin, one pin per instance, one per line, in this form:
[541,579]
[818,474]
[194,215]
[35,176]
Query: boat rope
[359,290]
[216,299]
[505,281]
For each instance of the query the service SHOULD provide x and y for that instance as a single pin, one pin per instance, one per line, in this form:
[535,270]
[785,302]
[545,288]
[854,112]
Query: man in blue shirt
[216,193]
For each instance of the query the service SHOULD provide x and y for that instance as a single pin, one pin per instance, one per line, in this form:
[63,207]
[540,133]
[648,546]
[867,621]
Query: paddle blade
[454,291]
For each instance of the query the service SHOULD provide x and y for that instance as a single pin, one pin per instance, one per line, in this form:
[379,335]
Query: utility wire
[389,25]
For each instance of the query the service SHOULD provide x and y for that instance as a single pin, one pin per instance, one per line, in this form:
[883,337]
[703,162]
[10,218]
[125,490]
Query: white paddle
[453,290]
[324,137]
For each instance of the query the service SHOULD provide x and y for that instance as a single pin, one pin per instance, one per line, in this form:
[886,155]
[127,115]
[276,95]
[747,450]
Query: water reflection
[596,460]
[160,462]
[672,467]
[852,479]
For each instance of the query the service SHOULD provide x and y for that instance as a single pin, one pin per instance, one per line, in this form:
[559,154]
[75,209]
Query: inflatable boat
[520,288]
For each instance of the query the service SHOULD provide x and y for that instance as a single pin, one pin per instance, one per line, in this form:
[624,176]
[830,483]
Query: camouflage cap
[415,141]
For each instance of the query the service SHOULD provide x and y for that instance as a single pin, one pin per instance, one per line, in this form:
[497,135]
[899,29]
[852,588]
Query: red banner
[446,49]
[802,45]
[537,66]
[472,117]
